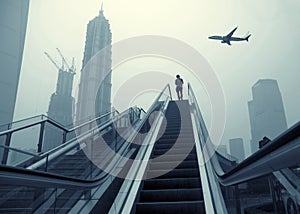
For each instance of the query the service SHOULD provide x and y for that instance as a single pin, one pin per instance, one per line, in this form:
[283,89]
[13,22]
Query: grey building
[61,106]
[222,149]
[13,23]
[95,80]
[266,112]
[61,109]
[236,148]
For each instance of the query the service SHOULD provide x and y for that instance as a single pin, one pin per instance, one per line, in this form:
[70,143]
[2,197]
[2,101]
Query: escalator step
[183,207]
[176,173]
[171,165]
[165,195]
[178,157]
[185,150]
[172,183]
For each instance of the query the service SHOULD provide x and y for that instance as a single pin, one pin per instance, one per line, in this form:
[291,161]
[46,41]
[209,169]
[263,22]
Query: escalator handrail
[41,155]
[102,127]
[46,179]
[285,140]
[67,146]
[45,155]
[9,125]
[233,176]
[15,175]
[53,122]
[20,151]
[141,154]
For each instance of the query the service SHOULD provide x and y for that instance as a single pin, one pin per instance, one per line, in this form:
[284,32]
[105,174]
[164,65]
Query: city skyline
[244,63]
[227,147]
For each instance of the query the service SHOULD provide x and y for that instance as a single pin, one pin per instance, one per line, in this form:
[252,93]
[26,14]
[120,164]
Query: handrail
[159,96]
[53,122]
[20,151]
[64,143]
[9,125]
[102,127]
[268,159]
[24,177]
[265,161]
[8,133]
[46,179]
[13,175]
[137,171]
[215,198]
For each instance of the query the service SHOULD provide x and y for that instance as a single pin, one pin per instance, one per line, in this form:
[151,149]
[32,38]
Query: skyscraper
[266,111]
[236,147]
[61,105]
[61,108]
[13,23]
[222,149]
[95,81]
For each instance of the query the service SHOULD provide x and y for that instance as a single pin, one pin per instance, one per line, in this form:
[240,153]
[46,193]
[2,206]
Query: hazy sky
[272,52]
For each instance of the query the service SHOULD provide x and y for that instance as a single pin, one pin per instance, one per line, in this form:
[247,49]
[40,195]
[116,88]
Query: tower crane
[54,63]
[64,62]
[63,58]
[72,68]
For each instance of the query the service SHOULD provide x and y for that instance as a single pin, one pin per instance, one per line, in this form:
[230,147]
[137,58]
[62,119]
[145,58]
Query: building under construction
[61,106]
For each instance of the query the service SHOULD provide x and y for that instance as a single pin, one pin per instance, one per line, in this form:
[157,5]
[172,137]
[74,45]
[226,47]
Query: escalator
[67,163]
[172,189]
[159,171]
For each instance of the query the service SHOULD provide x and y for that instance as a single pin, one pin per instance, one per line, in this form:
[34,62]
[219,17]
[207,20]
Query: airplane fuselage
[225,39]
[228,38]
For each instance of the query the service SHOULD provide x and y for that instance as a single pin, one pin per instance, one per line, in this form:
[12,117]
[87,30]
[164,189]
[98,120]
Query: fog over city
[271,53]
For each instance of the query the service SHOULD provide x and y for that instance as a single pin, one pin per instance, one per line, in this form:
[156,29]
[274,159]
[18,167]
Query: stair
[174,184]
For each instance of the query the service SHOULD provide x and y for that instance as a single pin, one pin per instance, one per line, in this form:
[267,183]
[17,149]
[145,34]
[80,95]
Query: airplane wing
[231,33]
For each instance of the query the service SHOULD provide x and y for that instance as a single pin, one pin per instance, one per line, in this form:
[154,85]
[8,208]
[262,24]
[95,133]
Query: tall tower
[236,147]
[266,112]
[95,81]
[13,23]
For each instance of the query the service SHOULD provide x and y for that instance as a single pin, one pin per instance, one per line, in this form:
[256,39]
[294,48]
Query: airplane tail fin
[247,37]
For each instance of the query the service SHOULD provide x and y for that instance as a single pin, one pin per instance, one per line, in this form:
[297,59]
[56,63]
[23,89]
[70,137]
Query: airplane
[228,38]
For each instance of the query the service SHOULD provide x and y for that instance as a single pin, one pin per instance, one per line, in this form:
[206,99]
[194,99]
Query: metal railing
[250,185]
[125,199]
[215,201]
[46,128]
[265,161]
[92,188]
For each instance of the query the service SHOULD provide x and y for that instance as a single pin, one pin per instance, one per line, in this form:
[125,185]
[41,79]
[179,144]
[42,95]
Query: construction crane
[63,58]
[70,69]
[54,63]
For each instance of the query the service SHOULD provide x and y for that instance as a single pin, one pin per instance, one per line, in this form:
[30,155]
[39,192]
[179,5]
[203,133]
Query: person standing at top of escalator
[179,83]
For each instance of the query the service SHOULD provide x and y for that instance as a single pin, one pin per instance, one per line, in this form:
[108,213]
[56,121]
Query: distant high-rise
[222,149]
[61,107]
[13,23]
[236,147]
[95,80]
[266,112]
